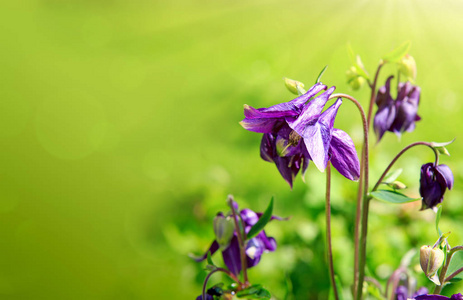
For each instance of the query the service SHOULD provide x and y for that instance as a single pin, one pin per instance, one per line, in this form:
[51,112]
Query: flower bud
[224,228]
[354,79]
[294,86]
[431,259]
[397,185]
[407,66]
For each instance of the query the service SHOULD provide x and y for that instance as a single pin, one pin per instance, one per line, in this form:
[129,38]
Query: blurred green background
[120,139]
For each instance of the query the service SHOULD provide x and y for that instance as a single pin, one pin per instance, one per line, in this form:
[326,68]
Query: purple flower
[439,297]
[396,115]
[402,292]
[255,246]
[296,132]
[434,181]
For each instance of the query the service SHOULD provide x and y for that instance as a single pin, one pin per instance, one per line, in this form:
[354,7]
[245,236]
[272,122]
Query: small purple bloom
[439,297]
[255,246]
[396,115]
[402,292]
[297,132]
[434,181]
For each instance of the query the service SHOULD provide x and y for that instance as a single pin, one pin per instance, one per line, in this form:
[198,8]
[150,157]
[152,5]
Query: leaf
[397,54]
[438,214]
[338,288]
[255,291]
[392,197]
[209,260]
[321,74]
[456,263]
[392,176]
[263,220]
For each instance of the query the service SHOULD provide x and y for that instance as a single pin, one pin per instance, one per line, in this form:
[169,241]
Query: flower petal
[267,147]
[317,137]
[261,125]
[447,175]
[231,256]
[343,155]
[213,248]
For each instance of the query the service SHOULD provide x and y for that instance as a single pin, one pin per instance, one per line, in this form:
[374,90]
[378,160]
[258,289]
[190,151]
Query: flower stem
[362,192]
[328,230]
[436,153]
[241,240]
[443,272]
[373,93]
[230,274]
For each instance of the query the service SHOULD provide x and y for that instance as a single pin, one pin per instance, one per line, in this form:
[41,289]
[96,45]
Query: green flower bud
[397,185]
[223,229]
[431,259]
[294,86]
[407,66]
[354,79]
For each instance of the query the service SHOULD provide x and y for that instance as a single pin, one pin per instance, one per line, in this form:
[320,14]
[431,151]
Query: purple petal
[431,297]
[286,109]
[343,155]
[317,137]
[231,256]
[384,118]
[269,243]
[260,125]
[447,175]
[284,165]
[310,113]
[213,248]
[267,147]
[249,217]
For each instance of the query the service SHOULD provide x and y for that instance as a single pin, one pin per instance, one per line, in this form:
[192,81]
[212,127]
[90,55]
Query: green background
[120,139]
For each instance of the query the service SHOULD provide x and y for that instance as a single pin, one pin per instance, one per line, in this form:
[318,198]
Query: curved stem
[394,280]
[375,282]
[240,240]
[363,187]
[373,93]
[453,274]
[231,275]
[328,230]
[400,154]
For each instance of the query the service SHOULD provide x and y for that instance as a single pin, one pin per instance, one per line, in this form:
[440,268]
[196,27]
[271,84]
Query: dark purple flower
[296,132]
[396,115]
[255,246]
[434,181]
[402,292]
[439,297]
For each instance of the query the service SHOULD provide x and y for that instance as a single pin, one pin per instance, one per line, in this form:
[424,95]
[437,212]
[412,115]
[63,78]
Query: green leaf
[397,54]
[255,291]
[392,176]
[263,220]
[438,214]
[321,74]
[338,288]
[456,263]
[392,197]
[209,260]
[455,279]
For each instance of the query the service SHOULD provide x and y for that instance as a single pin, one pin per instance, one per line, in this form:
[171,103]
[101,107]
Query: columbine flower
[396,115]
[402,292]
[255,247]
[434,181]
[439,297]
[296,132]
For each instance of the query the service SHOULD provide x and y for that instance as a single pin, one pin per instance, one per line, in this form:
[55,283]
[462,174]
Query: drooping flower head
[298,131]
[434,181]
[439,297]
[397,115]
[403,293]
[255,246]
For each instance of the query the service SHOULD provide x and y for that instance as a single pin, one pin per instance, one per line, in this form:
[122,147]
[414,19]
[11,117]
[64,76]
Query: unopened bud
[431,259]
[294,86]
[407,66]
[224,228]
[354,79]
[397,185]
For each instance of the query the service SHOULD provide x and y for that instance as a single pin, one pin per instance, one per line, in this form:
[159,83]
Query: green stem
[436,153]
[443,272]
[241,240]
[328,230]
[363,185]
[231,275]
